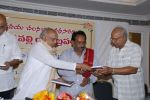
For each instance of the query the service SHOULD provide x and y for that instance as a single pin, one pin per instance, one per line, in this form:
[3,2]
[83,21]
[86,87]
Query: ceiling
[140,9]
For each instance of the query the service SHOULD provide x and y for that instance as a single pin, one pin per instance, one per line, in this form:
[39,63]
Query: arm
[134,64]
[119,71]
[40,53]
[65,56]
[14,63]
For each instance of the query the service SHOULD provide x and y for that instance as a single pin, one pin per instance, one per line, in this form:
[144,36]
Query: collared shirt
[9,50]
[35,75]
[127,87]
[71,56]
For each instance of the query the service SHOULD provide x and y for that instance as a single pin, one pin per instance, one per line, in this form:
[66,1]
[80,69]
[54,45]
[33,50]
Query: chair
[103,90]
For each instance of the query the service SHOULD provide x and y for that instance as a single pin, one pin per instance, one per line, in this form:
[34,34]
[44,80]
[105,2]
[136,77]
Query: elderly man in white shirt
[124,64]
[77,54]
[9,59]
[39,65]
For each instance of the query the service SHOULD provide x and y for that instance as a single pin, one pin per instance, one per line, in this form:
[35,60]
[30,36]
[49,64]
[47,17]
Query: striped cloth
[127,87]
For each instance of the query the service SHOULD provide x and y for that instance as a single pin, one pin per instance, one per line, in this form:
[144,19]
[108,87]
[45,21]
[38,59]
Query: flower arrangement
[88,26]
[64,96]
[44,95]
[83,96]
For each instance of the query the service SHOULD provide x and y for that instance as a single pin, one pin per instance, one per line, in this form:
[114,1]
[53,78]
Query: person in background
[78,53]
[124,64]
[10,58]
[40,63]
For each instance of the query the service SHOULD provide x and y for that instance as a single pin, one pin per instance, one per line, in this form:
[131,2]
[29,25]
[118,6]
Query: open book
[62,82]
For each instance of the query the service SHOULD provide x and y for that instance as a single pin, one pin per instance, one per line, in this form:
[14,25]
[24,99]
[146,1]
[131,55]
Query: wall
[145,31]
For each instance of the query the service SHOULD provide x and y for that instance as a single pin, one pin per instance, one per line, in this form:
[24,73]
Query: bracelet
[113,71]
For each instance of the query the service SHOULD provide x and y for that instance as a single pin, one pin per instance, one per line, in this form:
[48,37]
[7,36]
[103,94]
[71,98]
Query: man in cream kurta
[37,69]
[124,64]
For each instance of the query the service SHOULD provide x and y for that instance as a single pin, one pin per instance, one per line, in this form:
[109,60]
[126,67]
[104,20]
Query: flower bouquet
[64,96]
[44,95]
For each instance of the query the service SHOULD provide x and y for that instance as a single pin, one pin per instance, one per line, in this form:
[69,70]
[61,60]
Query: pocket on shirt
[126,60]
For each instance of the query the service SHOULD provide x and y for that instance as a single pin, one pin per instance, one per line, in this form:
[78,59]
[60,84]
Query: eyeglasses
[115,39]
[53,39]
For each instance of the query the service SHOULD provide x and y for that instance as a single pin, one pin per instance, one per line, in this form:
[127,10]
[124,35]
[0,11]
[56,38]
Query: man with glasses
[124,64]
[10,56]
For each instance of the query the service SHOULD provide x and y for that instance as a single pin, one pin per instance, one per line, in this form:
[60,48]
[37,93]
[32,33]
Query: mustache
[83,47]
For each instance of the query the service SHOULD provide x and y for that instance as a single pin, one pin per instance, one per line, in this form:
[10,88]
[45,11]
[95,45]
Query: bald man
[10,58]
[124,64]
[39,65]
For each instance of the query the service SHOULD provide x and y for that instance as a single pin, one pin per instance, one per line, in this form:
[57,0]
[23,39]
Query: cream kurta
[127,87]
[36,71]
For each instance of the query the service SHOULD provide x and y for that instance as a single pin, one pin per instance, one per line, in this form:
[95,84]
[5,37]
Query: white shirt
[35,75]
[9,50]
[127,87]
[71,56]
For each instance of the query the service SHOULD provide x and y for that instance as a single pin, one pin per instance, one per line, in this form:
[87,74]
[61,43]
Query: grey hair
[125,33]
[45,31]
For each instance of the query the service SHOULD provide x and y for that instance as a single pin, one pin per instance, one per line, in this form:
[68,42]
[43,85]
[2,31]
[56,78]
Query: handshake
[100,71]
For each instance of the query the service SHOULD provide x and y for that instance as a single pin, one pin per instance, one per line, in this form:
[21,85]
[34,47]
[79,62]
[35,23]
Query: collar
[82,51]
[51,50]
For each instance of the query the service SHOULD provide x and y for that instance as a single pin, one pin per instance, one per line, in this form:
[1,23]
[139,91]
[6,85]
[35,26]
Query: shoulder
[10,36]
[67,51]
[38,45]
[134,46]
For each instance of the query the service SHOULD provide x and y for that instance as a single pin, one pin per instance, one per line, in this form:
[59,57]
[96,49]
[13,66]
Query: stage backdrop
[27,27]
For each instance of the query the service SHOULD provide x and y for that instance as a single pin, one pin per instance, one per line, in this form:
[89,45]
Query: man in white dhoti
[36,72]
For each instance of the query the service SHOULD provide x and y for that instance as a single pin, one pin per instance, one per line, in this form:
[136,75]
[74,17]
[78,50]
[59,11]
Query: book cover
[62,82]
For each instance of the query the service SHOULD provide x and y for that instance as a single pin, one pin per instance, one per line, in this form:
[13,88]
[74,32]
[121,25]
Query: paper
[2,65]
[97,66]
[62,82]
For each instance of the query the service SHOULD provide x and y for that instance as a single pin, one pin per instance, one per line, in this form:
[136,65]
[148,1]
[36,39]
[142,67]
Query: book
[97,66]
[2,66]
[62,82]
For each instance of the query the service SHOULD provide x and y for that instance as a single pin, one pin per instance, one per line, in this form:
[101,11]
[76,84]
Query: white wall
[145,31]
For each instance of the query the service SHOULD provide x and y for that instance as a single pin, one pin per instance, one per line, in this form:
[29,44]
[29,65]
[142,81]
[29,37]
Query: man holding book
[79,54]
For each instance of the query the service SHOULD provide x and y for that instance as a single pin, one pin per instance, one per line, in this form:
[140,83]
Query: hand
[15,63]
[79,71]
[106,70]
[83,67]
[85,81]
[6,67]
[97,71]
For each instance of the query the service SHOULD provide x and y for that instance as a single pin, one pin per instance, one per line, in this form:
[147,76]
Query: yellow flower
[84,96]
[44,95]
